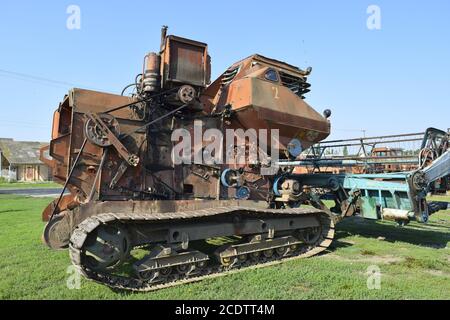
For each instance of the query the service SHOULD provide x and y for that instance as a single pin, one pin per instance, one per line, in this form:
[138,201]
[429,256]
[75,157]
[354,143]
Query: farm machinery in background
[382,182]
[136,219]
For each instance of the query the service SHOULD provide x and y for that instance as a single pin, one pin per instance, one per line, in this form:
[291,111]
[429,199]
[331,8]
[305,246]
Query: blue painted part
[295,147]
[223,179]
[374,192]
[276,182]
[242,193]
[387,194]
[351,182]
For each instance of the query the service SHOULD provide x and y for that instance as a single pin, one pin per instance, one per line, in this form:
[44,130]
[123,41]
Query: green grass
[414,262]
[439,198]
[28,185]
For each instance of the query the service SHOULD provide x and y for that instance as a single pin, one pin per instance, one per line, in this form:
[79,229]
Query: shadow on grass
[417,234]
[336,244]
[11,210]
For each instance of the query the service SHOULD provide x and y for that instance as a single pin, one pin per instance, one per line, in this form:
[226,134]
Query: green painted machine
[398,196]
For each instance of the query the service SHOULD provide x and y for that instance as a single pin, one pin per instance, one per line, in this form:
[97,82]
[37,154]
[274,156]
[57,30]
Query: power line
[41,80]
[42,83]
[29,76]
[350,130]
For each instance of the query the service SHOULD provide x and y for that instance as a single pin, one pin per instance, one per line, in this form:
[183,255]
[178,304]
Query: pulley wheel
[186,94]
[96,135]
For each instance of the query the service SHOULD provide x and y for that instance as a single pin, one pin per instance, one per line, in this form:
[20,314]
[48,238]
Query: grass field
[414,263]
[28,185]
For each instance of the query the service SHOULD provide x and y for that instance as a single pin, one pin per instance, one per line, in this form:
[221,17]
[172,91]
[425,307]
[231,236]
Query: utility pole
[364,133]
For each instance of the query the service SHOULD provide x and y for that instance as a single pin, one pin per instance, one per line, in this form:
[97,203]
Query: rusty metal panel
[186,61]
[84,101]
[267,105]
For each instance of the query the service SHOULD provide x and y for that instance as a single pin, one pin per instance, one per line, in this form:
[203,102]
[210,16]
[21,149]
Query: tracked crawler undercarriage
[265,236]
[185,179]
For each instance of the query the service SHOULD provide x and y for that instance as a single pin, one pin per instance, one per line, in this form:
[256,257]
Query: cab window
[271,75]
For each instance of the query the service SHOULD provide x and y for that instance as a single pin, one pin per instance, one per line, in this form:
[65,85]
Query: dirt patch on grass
[365,252]
[411,262]
[438,273]
[305,287]
[371,258]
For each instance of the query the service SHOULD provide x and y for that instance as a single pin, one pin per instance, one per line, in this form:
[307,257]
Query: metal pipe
[365,158]
[335,163]
[384,176]
[139,101]
[153,121]
[163,37]
[396,214]
[377,137]
[68,178]
[321,144]
[97,176]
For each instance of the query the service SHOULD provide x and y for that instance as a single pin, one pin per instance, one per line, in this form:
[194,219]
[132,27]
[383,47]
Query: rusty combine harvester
[127,194]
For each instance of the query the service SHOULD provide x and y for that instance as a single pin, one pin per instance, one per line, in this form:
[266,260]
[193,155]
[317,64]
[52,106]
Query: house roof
[21,152]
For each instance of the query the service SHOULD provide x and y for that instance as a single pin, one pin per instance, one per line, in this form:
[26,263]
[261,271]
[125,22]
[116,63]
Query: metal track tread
[81,232]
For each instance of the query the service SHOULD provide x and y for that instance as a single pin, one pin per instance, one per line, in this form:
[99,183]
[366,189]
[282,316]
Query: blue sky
[387,81]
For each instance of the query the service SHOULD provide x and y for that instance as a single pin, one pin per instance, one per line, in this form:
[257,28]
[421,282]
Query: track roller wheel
[254,255]
[200,264]
[148,275]
[268,253]
[165,272]
[242,258]
[184,269]
[281,251]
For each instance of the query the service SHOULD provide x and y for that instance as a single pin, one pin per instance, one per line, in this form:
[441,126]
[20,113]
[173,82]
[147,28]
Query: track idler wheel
[228,261]
[106,247]
[56,233]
